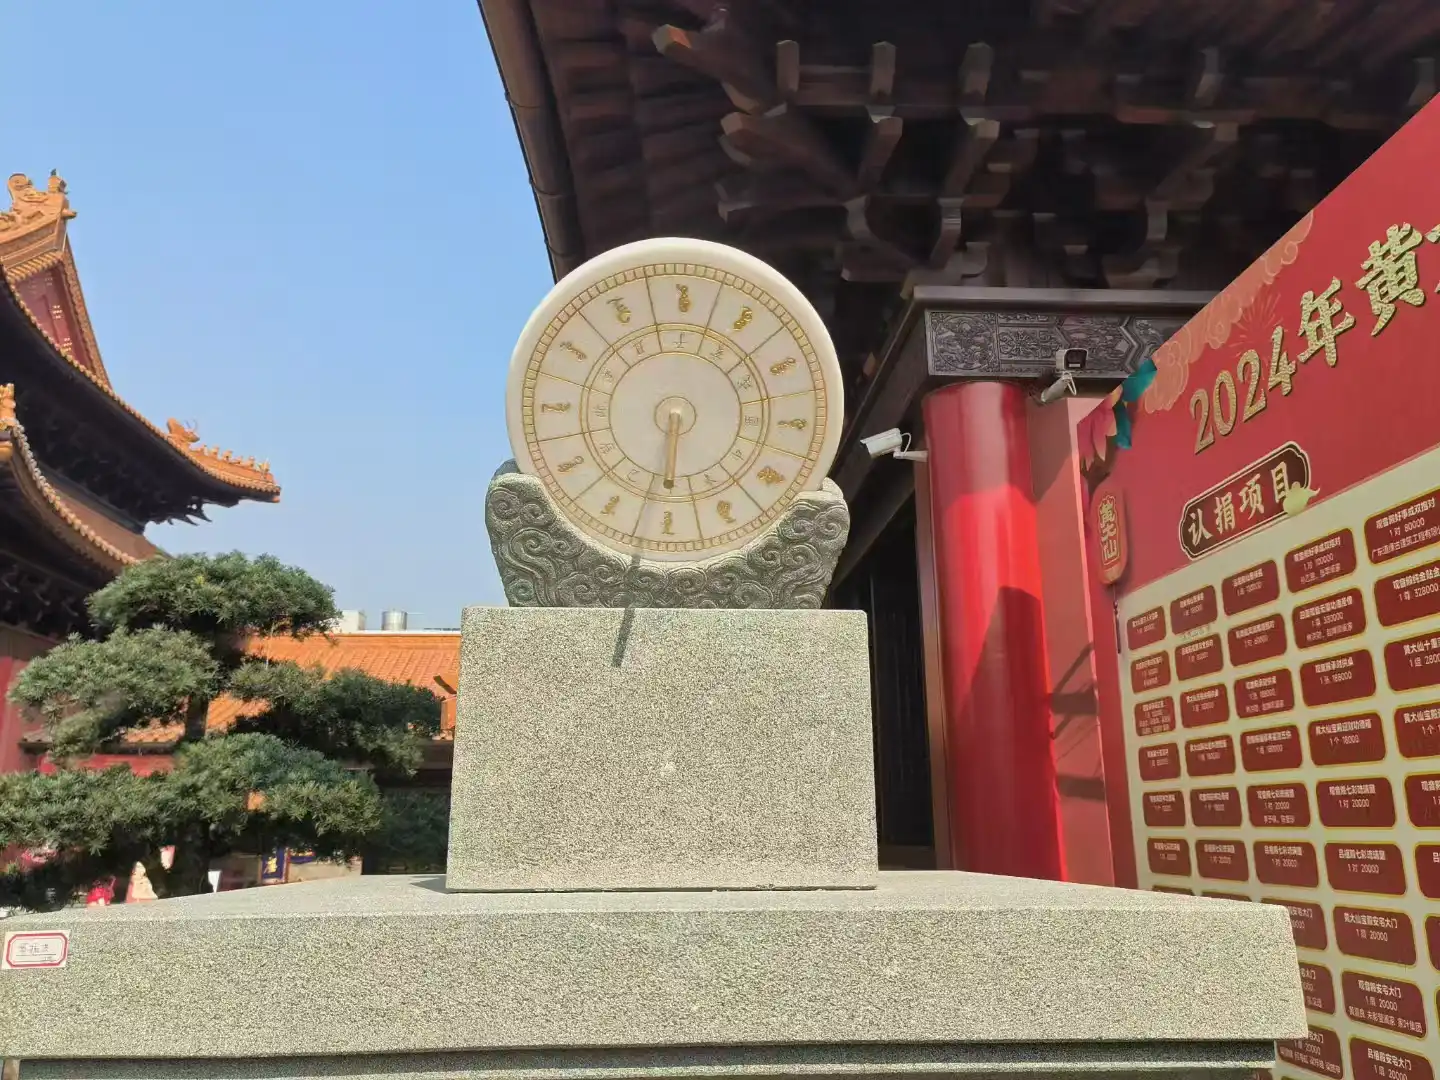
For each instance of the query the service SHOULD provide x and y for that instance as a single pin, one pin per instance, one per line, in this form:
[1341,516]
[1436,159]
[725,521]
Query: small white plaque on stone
[45,949]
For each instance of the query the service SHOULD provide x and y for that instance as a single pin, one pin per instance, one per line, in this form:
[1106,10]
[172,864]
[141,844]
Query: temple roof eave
[234,477]
[72,525]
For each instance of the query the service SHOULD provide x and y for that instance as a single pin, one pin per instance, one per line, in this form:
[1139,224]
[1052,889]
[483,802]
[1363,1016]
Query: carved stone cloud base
[545,562]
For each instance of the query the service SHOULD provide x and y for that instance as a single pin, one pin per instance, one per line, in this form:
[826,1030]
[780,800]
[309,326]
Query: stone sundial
[673,407]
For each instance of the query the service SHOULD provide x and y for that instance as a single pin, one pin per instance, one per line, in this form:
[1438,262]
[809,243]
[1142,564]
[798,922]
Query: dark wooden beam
[661,148]
[767,194]
[880,142]
[787,68]
[1423,24]
[1425,86]
[950,229]
[783,134]
[882,79]
[703,172]
[1154,260]
[974,140]
[788,236]
[1206,80]
[720,52]
[1193,165]
[976,68]
[703,106]
[862,226]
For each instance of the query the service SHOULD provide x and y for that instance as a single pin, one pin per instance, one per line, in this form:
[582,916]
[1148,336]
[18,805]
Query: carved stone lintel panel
[544,561]
[1023,344]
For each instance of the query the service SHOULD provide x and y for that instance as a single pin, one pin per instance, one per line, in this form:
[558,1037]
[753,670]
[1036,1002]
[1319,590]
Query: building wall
[17,648]
[1069,640]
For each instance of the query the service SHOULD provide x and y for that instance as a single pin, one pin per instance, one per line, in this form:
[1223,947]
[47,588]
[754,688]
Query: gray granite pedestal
[759,942]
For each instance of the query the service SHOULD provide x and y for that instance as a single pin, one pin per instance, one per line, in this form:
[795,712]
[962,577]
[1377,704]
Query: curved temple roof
[94,536]
[33,243]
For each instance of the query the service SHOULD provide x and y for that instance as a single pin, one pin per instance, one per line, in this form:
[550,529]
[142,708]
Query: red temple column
[1004,808]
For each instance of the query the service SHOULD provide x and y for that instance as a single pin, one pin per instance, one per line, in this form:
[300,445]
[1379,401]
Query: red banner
[1266,603]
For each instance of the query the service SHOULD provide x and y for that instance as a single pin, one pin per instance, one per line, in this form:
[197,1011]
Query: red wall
[17,648]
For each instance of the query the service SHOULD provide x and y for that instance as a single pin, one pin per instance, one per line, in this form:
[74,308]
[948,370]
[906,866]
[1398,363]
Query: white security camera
[887,442]
[894,443]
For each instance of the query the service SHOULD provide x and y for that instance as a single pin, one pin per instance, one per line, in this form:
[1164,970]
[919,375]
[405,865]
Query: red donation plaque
[1197,658]
[1288,862]
[1154,717]
[1422,800]
[1251,588]
[1222,860]
[1331,618]
[1364,867]
[1318,1052]
[1210,757]
[1408,595]
[1215,806]
[1319,561]
[1413,663]
[1367,803]
[1417,730]
[1262,639]
[1278,806]
[1347,740]
[1262,695]
[1164,809]
[1402,529]
[1160,762]
[1271,748]
[1346,677]
[1170,857]
[1193,610]
[1204,705]
[1307,922]
[1427,872]
[1145,629]
[1319,987]
[1387,936]
[1150,672]
[1371,1061]
[1384,1003]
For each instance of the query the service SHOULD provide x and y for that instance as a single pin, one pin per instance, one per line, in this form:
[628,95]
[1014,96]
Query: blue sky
[306,227]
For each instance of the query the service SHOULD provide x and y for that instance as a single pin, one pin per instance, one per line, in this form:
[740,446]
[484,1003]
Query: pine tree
[299,770]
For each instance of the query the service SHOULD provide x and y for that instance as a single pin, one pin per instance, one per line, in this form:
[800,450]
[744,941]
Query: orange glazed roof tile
[415,658]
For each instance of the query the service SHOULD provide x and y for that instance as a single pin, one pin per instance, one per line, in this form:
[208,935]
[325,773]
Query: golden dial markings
[760,327]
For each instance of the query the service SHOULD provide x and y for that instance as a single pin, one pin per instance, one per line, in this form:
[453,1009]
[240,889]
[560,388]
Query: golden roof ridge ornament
[32,209]
[222,463]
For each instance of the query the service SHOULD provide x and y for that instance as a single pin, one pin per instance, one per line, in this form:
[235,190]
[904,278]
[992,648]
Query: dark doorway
[885,585]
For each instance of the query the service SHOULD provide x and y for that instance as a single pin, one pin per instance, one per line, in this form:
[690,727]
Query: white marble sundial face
[674,396]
